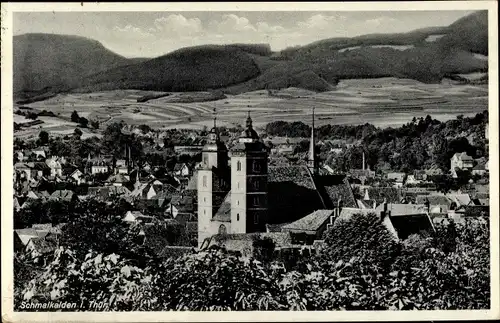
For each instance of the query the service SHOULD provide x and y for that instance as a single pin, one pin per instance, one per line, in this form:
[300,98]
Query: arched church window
[222,229]
[238,166]
[256,184]
[256,166]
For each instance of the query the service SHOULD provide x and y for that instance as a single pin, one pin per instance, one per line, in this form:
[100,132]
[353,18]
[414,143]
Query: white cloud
[320,21]
[264,27]
[232,23]
[132,31]
[380,21]
[178,24]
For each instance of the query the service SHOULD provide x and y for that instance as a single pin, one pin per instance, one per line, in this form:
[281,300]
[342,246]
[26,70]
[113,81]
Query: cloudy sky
[150,34]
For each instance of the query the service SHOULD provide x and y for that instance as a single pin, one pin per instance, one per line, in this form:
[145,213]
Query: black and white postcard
[238,161]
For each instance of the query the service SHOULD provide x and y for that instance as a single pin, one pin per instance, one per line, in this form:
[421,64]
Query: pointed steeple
[311,158]
[213,136]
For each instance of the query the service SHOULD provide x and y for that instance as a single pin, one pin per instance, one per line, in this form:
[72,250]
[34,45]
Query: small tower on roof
[214,153]
[312,163]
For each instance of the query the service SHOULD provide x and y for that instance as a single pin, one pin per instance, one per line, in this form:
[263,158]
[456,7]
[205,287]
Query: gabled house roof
[62,194]
[433,199]
[311,222]
[463,156]
[408,224]
[402,209]
[224,212]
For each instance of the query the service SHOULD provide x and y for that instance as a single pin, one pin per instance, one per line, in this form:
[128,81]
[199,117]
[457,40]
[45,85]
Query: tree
[83,122]
[94,124]
[362,236]
[43,137]
[75,117]
[77,133]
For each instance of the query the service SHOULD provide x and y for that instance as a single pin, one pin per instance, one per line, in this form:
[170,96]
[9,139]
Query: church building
[239,193]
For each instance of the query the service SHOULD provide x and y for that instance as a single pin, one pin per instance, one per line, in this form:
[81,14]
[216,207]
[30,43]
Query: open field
[383,102]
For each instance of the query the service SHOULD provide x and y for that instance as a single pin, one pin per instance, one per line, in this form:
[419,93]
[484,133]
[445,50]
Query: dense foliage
[421,143]
[419,274]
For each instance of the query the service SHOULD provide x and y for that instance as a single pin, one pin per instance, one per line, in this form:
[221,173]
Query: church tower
[249,201]
[312,162]
[213,181]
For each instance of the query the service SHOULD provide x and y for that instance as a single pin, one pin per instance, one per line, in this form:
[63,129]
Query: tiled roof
[347,213]
[311,222]
[118,178]
[191,226]
[462,199]
[193,181]
[298,174]
[433,199]
[406,225]
[402,209]
[291,193]
[335,188]
[366,204]
[224,212]
[396,176]
[275,227]
[393,195]
[104,192]
[44,246]
[62,194]
[463,156]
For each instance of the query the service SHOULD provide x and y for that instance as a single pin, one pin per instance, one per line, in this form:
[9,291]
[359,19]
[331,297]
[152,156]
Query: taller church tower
[213,181]
[249,201]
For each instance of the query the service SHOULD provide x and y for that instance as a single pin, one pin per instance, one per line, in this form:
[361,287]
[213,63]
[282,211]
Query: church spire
[311,159]
[214,133]
[249,121]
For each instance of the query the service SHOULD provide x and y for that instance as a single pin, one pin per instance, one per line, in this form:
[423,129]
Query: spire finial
[249,120]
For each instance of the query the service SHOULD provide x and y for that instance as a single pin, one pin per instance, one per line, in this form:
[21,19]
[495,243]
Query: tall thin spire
[215,118]
[311,160]
[249,121]
[363,167]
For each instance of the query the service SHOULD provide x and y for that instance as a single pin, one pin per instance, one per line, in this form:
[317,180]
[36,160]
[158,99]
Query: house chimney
[384,212]
[427,205]
[339,207]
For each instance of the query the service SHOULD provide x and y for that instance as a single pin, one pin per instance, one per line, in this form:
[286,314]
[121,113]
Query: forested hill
[419,144]
[53,63]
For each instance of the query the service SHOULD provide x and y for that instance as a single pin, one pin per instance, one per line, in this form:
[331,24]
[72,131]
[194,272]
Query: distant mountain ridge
[55,63]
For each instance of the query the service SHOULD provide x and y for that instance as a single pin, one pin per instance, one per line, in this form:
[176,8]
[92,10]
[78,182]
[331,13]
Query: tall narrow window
[256,166]
[237,217]
[238,166]
[256,218]
[256,201]
[204,181]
